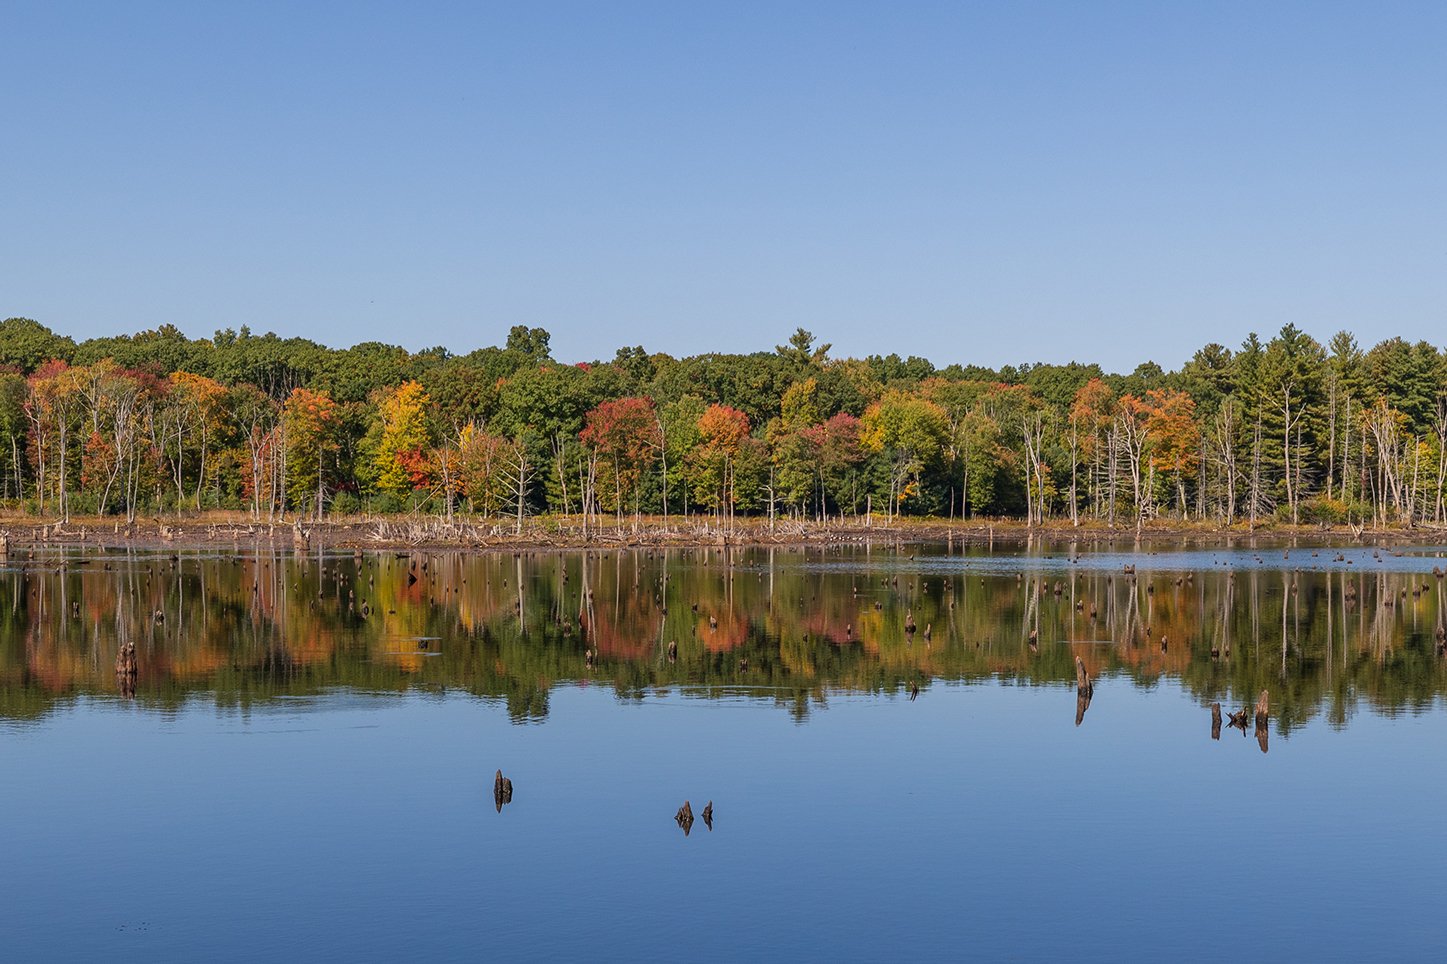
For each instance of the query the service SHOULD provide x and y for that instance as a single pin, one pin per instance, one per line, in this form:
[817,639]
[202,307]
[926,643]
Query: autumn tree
[1175,439]
[480,469]
[55,408]
[309,447]
[625,433]
[191,416]
[836,450]
[723,434]
[909,431]
[396,447]
[1092,417]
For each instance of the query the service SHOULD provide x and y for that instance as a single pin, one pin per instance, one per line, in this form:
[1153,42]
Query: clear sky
[973,182]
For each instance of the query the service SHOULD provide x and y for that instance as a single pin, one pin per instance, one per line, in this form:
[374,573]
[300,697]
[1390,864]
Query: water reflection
[501,791]
[792,626]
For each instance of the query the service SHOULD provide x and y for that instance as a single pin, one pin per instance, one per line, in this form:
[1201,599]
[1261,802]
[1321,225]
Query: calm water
[303,765]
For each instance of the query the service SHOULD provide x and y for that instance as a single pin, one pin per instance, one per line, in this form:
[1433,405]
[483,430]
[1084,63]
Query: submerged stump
[684,817]
[501,790]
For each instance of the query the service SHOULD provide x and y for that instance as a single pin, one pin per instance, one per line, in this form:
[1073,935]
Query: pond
[261,754]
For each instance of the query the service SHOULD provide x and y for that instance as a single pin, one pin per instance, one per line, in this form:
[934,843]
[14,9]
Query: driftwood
[1215,721]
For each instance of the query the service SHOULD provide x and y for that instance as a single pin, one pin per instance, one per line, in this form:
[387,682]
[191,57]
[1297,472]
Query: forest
[1286,430]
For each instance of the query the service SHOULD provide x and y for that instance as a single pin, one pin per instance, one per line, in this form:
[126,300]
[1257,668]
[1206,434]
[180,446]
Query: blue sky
[973,182]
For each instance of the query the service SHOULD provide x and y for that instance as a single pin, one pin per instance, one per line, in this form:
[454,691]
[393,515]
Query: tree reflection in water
[792,626]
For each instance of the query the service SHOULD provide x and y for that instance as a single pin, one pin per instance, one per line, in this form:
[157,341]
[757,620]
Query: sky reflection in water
[290,781]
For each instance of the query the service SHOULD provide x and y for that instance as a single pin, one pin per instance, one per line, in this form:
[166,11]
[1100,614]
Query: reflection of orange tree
[731,632]
[625,619]
[53,664]
[314,643]
[830,619]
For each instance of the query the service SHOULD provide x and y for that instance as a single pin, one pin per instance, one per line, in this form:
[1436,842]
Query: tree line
[1282,430]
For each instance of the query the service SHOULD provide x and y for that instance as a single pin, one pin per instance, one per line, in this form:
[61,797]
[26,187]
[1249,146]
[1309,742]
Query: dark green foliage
[891,369]
[159,352]
[1409,376]
[26,344]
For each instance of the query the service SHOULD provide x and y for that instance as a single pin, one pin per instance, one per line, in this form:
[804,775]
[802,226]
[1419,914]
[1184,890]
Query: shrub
[346,503]
[386,503]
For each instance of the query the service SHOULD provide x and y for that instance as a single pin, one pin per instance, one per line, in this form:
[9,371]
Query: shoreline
[570,534]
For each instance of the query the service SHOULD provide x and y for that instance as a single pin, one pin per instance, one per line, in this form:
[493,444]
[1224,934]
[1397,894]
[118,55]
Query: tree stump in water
[501,790]
[1215,721]
[708,815]
[126,670]
[1263,706]
[684,817]
[1082,679]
